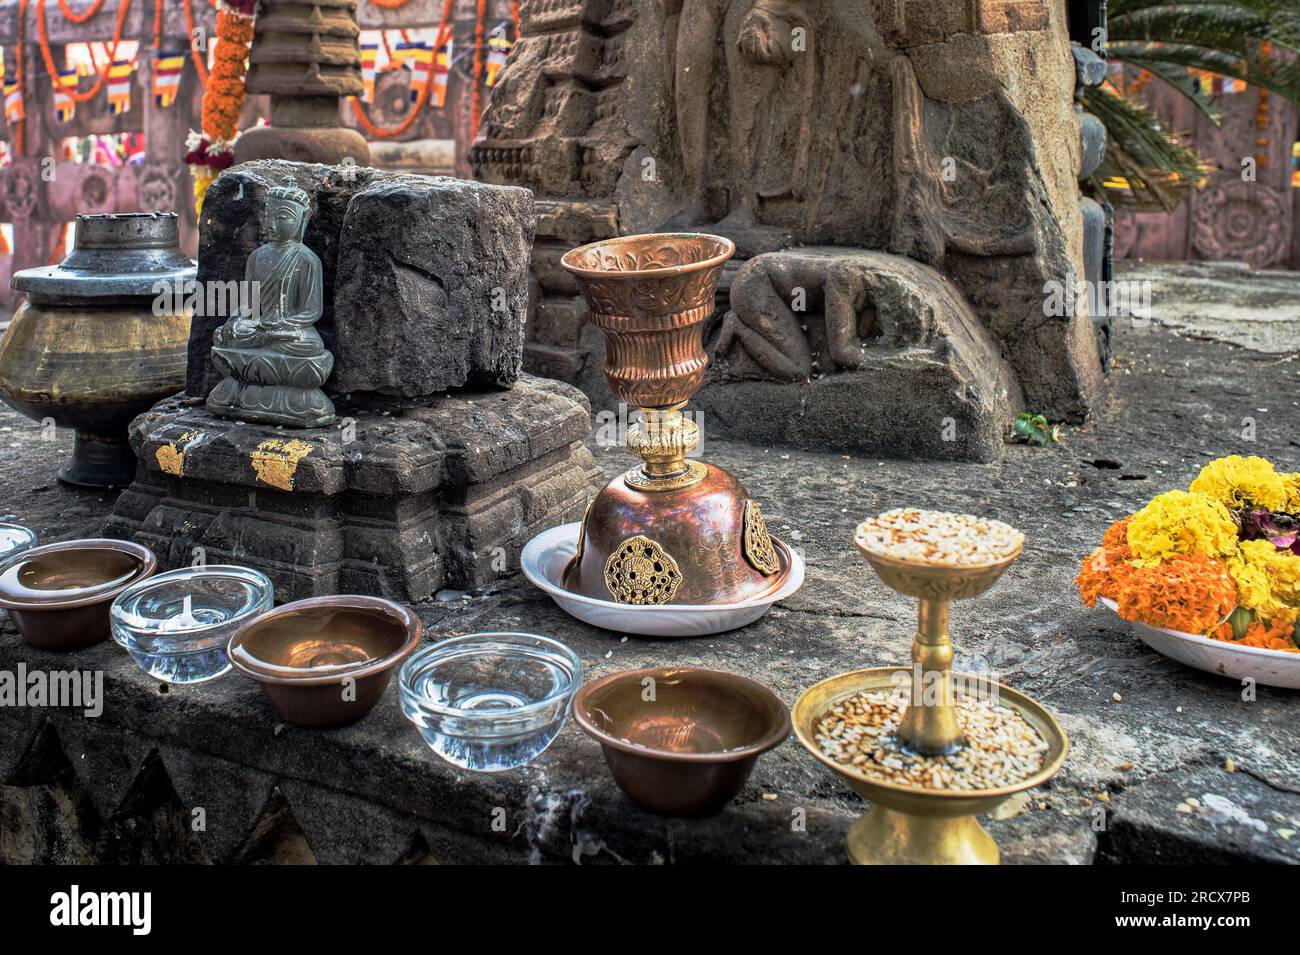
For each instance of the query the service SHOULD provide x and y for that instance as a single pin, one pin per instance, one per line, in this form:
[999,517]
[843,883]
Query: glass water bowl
[489,702]
[176,625]
[15,537]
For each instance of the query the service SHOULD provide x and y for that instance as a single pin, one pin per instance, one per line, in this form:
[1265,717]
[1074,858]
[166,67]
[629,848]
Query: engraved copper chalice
[671,530]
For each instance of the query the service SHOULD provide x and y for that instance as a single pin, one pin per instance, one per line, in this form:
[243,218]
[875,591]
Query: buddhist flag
[403,52]
[441,71]
[13,98]
[119,86]
[420,63]
[65,107]
[498,49]
[13,103]
[167,69]
[369,54]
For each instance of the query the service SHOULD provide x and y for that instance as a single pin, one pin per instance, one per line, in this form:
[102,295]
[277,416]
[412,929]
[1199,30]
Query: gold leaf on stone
[171,456]
[276,461]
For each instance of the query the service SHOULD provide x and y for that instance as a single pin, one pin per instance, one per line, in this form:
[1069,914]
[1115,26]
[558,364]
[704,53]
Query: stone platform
[400,502]
[122,786]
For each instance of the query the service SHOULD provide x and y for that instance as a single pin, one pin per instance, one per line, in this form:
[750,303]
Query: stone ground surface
[1227,301]
[1146,733]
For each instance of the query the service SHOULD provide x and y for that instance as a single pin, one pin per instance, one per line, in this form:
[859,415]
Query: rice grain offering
[1001,748]
[938,538]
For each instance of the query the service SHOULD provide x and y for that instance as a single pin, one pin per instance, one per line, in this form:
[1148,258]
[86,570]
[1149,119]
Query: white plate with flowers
[1279,668]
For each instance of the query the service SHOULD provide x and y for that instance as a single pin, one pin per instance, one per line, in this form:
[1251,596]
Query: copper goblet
[672,530]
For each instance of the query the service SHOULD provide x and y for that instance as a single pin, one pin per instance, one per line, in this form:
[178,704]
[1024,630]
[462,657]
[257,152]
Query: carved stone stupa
[305,54]
[272,358]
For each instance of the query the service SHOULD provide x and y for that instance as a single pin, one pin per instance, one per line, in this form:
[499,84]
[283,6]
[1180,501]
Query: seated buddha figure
[270,353]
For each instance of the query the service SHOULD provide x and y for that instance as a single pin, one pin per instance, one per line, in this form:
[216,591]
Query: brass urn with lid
[101,337]
[673,529]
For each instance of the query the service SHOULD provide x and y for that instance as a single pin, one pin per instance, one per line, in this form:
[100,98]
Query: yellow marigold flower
[1292,484]
[1179,522]
[1242,483]
[1268,580]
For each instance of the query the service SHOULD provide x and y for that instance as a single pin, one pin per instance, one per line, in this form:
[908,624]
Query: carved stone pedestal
[396,501]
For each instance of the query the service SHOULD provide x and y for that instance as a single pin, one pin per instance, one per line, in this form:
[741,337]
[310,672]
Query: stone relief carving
[888,127]
[1240,221]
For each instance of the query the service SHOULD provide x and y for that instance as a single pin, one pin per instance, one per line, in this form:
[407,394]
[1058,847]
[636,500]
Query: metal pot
[95,344]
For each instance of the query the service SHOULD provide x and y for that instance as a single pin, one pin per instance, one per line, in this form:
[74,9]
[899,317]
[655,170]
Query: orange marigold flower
[1189,593]
[1266,634]
[1094,578]
[1116,537]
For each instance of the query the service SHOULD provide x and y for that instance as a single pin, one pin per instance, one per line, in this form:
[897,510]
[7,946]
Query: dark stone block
[412,266]
[432,286]
[230,229]
[398,503]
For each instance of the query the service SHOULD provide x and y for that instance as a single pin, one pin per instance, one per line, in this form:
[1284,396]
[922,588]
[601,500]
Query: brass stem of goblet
[663,440]
[929,726]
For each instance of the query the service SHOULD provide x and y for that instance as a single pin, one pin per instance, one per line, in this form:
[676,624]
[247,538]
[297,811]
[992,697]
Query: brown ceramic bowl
[690,749]
[59,595]
[326,661]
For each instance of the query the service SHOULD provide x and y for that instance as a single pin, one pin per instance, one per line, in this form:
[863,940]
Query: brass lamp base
[886,837]
[910,825]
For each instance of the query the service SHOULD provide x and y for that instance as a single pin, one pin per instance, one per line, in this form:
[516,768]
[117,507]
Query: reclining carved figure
[869,300]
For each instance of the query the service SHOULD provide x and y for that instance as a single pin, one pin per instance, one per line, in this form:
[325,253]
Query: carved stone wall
[943,133]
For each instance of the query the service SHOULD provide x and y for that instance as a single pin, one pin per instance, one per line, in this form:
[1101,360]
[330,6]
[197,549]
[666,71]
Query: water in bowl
[489,706]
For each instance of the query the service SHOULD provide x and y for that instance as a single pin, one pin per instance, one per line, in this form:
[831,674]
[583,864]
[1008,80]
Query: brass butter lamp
[95,344]
[911,824]
[673,529]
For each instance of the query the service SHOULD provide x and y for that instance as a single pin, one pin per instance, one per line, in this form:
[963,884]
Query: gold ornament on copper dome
[673,529]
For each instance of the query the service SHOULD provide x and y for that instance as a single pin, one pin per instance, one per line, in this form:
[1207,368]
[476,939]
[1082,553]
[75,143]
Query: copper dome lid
[673,530]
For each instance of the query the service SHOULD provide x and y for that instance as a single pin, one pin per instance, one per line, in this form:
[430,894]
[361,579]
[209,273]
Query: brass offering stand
[912,824]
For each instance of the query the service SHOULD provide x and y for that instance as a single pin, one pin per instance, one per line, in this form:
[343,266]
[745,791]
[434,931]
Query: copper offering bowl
[681,740]
[59,595]
[673,530]
[326,661]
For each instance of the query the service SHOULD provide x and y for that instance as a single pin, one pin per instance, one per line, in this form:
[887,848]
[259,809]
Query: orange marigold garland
[213,150]
[1267,635]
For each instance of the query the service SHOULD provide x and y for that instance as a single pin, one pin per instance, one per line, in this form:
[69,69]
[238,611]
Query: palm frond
[1223,25]
[1270,72]
[1146,166]
[1180,79]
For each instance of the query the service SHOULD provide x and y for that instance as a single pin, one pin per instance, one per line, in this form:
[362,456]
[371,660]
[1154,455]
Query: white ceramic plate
[1268,667]
[547,554]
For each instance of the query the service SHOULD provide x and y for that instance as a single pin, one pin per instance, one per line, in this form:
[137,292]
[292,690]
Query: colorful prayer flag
[441,71]
[403,52]
[119,86]
[13,97]
[167,69]
[369,54]
[498,50]
[65,107]
[420,63]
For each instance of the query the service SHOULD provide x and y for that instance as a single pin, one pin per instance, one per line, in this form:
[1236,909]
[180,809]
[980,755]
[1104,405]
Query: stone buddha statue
[271,356]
